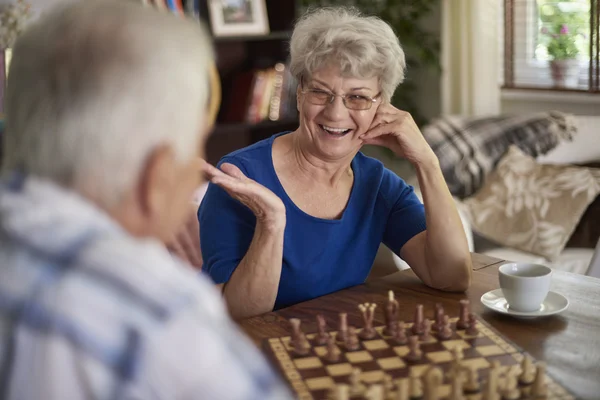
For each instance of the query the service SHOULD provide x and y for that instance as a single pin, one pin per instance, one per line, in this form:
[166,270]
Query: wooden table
[569,342]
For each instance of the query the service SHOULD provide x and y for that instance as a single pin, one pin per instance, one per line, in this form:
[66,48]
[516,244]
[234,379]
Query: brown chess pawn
[414,349]
[322,335]
[400,333]
[463,320]
[472,328]
[333,352]
[343,329]
[446,331]
[351,342]
[426,335]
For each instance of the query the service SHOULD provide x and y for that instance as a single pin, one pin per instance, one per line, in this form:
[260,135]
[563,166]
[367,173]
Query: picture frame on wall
[238,17]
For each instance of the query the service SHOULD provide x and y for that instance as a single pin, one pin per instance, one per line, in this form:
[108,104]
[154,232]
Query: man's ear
[156,180]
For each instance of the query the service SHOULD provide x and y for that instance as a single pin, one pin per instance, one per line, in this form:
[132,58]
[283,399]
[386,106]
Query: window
[552,44]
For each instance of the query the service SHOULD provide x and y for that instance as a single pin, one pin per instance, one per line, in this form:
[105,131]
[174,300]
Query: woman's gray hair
[361,46]
[96,86]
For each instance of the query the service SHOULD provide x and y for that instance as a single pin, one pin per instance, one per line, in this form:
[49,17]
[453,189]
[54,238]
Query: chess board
[311,376]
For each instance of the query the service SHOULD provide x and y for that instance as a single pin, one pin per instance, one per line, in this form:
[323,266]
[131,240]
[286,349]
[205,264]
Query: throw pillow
[469,148]
[530,206]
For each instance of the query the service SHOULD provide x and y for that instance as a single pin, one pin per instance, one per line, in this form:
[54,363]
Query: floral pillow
[530,206]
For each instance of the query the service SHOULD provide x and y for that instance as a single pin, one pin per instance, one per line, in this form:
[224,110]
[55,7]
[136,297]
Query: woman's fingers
[232,170]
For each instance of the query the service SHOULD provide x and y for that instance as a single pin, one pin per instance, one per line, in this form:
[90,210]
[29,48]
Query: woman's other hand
[266,206]
[397,130]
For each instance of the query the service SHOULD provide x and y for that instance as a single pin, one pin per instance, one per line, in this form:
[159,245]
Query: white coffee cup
[524,285]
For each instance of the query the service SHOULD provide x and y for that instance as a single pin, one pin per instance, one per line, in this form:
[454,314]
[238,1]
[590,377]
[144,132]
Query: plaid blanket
[470,148]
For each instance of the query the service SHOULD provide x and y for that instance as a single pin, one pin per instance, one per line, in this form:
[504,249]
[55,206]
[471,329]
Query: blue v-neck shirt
[320,256]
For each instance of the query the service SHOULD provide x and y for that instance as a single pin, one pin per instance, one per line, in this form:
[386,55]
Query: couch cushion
[530,206]
[574,260]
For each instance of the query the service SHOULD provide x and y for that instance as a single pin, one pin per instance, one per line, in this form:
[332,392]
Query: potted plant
[563,51]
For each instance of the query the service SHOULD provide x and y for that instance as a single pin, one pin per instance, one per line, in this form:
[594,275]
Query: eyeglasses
[351,101]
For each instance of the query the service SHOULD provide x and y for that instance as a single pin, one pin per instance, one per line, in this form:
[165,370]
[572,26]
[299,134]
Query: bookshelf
[238,60]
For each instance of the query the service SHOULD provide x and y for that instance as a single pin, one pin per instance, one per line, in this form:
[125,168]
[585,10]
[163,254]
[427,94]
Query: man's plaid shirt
[89,312]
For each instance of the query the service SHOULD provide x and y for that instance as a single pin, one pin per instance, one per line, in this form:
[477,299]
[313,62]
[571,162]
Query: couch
[584,242]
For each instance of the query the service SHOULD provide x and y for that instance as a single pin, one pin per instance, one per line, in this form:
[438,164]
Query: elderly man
[106,117]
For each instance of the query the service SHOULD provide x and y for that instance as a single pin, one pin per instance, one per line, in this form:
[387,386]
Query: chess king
[107,111]
[303,213]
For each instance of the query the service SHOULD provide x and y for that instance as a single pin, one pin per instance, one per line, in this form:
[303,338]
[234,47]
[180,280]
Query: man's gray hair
[95,86]
[361,46]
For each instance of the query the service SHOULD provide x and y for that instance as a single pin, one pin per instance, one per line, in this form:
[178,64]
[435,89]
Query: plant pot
[565,73]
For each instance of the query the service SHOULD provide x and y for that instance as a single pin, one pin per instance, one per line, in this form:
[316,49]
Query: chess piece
[333,352]
[511,389]
[402,390]
[432,381]
[414,349]
[472,328]
[491,385]
[351,342]
[343,329]
[426,335]
[400,334]
[322,335]
[472,384]
[415,386]
[299,342]
[368,313]
[527,371]
[388,386]
[539,388]
[417,327]
[463,317]
[339,392]
[456,385]
[439,317]
[390,314]
[446,331]
[356,388]
[375,392]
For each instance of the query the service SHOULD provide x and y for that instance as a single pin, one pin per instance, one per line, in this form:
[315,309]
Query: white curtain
[471,58]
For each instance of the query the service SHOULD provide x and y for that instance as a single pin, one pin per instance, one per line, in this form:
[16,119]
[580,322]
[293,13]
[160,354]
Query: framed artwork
[238,17]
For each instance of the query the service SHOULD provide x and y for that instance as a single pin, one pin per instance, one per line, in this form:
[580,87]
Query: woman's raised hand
[396,130]
[266,206]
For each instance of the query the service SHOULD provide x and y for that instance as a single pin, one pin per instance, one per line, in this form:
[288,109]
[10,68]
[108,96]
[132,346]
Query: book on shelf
[267,94]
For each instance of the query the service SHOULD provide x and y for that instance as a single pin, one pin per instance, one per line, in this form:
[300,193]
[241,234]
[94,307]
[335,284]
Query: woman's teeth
[335,131]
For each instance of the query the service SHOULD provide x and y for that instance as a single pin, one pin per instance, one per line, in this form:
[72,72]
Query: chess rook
[322,335]
[439,317]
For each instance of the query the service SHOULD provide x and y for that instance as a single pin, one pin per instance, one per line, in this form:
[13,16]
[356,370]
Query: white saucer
[553,304]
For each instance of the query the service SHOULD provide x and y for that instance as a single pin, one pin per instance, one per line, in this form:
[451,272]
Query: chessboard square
[492,350]
[282,355]
[464,335]
[274,340]
[308,363]
[321,351]
[371,376]
[359,356]
[440,356]
[375,344]
[324,382]
[451,344]
[402,350]
[311,336]
[339,369]
[391,363]
[476,363]
[420,369]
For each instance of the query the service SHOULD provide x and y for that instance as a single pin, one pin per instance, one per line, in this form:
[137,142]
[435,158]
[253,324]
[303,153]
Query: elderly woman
[303,213]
